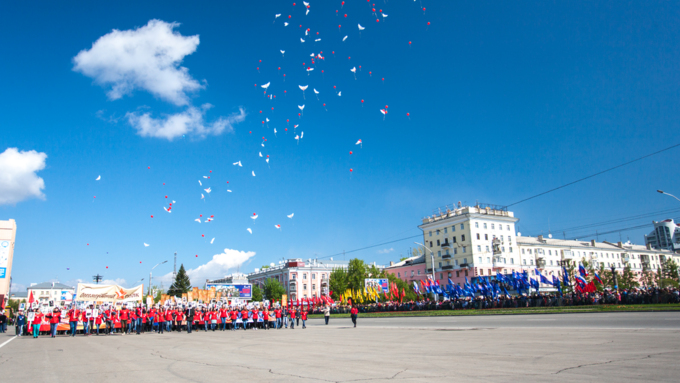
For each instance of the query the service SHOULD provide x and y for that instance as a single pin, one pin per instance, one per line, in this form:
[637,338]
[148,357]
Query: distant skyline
[111,107]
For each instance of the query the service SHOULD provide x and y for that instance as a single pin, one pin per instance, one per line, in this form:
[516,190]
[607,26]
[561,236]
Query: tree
[626,279]
[668,283]
[337,282]
[669,269]
[273,290]
[356,273]
[649,278]
[257,294]
[182,283]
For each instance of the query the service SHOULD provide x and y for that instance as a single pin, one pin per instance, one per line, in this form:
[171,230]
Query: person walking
[277,315]
[298,316]
[303,316]
[54,317]
[3,322]
[37,320]
[354,314]
[189,313]
[86,322]
[20,323]
[326,313]
[292,318]
[73,320]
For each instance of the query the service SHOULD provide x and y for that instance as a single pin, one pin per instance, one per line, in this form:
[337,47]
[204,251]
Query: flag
[565,277]
[597,278]
[582,271]
[416,288]
[581,282]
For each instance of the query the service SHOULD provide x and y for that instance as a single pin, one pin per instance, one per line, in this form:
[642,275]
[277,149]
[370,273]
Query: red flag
[31,299]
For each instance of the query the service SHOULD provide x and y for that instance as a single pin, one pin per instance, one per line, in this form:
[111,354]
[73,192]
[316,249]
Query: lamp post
[432,258]
[150,277]
[668,194]
[616,285]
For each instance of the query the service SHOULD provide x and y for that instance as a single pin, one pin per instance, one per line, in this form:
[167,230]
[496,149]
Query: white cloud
[18,180]
[147,58]
[385,251]
[188,122]
[219,266]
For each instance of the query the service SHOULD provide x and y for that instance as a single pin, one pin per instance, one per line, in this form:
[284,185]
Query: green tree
[182,283]
[257,294]
[337,282]
[668,283]
[669,269]
[649,278]
[273,290]
[626,279]
[356,273]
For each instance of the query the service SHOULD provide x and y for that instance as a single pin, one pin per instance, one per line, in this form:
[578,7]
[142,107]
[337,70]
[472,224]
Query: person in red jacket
[161,319]
[265,317]
[37,320]
[292,318]
[54,317]
[354,313]
[223,317]
[303,316]
[277,314]
[98,320]
[86,323]
[124,317]
[73,319]
[244,317]
[168,320]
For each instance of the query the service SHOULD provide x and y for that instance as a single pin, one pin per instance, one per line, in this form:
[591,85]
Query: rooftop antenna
[97,278]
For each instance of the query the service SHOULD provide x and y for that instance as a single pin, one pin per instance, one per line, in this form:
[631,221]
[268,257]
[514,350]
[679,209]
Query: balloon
[166,196]
[350,152]
[351,170]
[151,216]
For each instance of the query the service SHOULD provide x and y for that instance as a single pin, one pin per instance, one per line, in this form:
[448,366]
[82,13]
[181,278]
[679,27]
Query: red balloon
[149,167]
[254,214]
[428,23]
[140,261]
[211,171]
[196,255]
[163,183]
[289,16]
[201,215]
[362,101]
[351,170]
[350,152]
[88,244]
[339,26]
[170,204]
[408,114]
[345,15]
[107,267]
[202,235]
[151,216]
[377,20]
[212,216]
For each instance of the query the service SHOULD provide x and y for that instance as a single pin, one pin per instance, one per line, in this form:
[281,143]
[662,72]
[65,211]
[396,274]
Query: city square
[616,347]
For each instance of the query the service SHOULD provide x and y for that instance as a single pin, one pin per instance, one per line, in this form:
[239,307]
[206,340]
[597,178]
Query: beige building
[8,232]
[473,241]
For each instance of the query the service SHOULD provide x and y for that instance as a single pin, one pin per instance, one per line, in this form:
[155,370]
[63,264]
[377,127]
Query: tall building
[666,235]
[8,232]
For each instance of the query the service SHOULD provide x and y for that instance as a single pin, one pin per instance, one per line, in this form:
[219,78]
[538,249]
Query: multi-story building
[474,241]
[666,235]
[8,231]
[410,269]
[301,279]
[55,292]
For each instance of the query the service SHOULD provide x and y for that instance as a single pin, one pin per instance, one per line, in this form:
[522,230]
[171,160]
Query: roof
[51,286]
[409,261]
[18,294]
[601,246]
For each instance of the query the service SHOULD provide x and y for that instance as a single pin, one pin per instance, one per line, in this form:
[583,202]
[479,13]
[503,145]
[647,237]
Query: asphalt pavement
[602,347]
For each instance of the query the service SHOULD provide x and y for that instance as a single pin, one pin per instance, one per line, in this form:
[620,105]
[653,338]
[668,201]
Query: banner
[108,293]
[230,290]
[379,284]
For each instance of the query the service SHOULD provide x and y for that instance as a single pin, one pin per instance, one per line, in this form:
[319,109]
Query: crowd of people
[108,320]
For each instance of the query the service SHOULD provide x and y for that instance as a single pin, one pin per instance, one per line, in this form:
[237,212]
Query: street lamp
[432,258]
[150,277]
[616,285]
[669,194]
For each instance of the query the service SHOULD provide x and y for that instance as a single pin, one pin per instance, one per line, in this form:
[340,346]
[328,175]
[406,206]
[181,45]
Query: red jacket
[255,315]
[124,314]
[303,315]
[37,319]
[168,315]
[224,313]
[234,314]
[354,311]
[73,315]
[277,312]
[292,314]
[54,317]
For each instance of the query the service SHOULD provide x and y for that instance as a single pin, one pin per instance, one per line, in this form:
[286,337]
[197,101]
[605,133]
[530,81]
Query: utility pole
[97,278]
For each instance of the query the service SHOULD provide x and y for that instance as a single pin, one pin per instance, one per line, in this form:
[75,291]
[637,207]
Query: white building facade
[474,241]
[666,235]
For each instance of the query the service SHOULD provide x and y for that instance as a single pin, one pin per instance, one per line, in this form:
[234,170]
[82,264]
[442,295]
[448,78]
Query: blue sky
[505,101]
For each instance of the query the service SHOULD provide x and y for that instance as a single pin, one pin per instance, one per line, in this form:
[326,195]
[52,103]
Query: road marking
[8,341]
[539,319]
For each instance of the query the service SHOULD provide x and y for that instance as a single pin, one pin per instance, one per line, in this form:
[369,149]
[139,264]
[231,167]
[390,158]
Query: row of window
[446,229]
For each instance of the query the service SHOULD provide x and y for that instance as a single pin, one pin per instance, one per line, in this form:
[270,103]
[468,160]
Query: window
[512,261]
[464,260]
[439,253]
[438,243]
[529,251]
[440,265]
[503,249]
[411,273]
[445,230]
[487,249]
[431,244]
[304,276]
[464,249]
[455,262]
[481,271]
[531,261]
[313,287]
[398,275]
[486,237]
[480,259]
[504,260]
[446,252]
[437,232]
[466,273]
[479,248]
[453,228]
[430,233]
[440,276]
[457,274]
[304,286]
[524,261]
[492,226]
[485,225]
[453,239]
[522,251]
[418,272]
[462,226]
[476,225]
[510,249]
[313,276]
[449,275]
[462,238]
[455,251]
[477,235]
[293,276]
[508,227]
